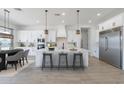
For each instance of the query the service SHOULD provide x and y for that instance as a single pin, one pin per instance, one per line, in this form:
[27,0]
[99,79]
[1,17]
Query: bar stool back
[60,55]
[81,59]
[44,60]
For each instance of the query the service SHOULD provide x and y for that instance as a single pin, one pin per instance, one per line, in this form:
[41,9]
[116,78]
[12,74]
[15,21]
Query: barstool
[81,59]
[60,55]
[44,60]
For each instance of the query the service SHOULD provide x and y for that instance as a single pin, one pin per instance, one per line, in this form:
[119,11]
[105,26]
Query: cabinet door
[102,47]
[114,48]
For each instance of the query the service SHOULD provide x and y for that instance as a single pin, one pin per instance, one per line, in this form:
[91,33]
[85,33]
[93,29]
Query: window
[6,39]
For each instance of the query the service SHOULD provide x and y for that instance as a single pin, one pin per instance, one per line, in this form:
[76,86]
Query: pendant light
[6,19]
[46,29]
[78,28]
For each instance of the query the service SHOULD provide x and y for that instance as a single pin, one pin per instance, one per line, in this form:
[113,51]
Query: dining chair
[25,55]
[14,59]
[0,61]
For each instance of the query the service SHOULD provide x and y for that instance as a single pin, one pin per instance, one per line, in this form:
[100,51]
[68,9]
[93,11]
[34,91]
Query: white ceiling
[35,16]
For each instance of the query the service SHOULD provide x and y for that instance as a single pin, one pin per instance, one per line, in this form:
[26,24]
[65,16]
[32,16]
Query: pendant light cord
[4,20]
[46,18]
[78,19]
[8,18]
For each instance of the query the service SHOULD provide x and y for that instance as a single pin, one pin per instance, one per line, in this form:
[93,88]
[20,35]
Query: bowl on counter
[73,49]
[51,48]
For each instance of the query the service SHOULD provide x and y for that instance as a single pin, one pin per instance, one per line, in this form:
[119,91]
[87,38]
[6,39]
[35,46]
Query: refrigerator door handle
[106,43]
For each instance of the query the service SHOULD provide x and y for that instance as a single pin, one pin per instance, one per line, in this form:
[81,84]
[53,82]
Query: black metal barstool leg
[74,63]
[51,61]
[66,61]
[12,65]
[59,63]
[23,61]
[43,62]
[82,62]
[26,60]
[15,66]
[20,63]
[6,66]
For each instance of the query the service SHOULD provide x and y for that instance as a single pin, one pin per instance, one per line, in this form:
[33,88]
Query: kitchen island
[55,55]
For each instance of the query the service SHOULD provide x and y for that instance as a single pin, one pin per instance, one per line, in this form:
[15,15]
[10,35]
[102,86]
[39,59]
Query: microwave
[40,46]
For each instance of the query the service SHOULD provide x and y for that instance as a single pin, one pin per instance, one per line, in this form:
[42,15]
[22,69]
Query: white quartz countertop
[63,51]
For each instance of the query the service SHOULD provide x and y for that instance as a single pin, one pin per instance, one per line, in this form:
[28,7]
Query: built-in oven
[40,46]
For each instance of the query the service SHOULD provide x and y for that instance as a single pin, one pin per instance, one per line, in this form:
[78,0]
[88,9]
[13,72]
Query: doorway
[84,38]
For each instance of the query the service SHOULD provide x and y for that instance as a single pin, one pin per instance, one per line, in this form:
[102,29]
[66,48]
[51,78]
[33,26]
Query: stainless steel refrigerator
[110,46]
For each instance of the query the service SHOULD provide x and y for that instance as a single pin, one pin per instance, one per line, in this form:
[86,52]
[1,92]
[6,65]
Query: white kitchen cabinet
[26,36]
[111,23]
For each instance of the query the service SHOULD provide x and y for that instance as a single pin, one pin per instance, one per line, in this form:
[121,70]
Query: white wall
[73,37]
[93,42]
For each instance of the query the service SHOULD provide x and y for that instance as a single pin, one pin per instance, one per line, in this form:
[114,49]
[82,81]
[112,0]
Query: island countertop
[55,53]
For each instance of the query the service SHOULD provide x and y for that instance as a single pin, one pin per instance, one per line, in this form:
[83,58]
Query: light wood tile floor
[98,72]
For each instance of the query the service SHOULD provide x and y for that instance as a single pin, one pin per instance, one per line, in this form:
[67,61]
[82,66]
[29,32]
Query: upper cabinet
[111,23]
[28,36]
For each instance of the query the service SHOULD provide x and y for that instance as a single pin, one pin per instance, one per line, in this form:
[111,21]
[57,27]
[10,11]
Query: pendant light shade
[46,29]
[78,28]
[6,19]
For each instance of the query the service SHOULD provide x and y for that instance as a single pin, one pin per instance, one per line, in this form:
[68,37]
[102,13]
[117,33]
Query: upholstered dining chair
[25,55]
[0,62]
[15,59]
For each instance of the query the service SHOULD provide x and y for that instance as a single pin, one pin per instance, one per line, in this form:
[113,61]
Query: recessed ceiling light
[63,13]
[57,14]
[90,21]
[63,21]
[98,14]
[18,9]
[37,21]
